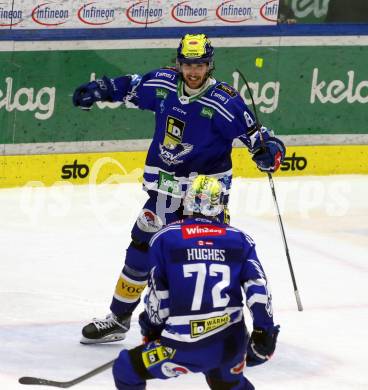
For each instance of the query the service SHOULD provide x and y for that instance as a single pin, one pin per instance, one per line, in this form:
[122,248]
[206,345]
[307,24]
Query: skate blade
[107,339]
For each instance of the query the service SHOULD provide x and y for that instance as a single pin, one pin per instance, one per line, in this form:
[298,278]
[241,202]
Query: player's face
[194,74]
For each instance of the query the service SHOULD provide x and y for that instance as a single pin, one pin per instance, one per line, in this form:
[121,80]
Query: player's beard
[195,82]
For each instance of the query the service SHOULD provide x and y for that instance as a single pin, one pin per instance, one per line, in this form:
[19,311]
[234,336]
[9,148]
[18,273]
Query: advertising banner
[308,11]
[323,11]
[123,167]
[66,14]
[297,91]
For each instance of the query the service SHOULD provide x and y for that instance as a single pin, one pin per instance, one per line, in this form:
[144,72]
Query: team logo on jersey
[174,131]
[200,327]
[192,231]
[207,112]
[227,89]
[149,222]
[172,150]
[172,370]
[172,154]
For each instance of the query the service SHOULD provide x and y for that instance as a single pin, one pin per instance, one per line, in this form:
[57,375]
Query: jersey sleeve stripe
[158,85]
[162,294]
[257,298]
[215,108]
[161,81]
[158,234]
[218,105]
[254,282]
[164,313]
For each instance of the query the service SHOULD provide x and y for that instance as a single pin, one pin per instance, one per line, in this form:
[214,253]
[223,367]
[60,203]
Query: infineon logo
[270,10]
[10,17]
[50,14]
[232,12]
[191,231]
[144,12]
[95,16]
[186,13]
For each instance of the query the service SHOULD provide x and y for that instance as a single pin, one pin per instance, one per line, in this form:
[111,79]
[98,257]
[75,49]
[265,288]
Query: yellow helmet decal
[207,186]
[205,195]
[194,46]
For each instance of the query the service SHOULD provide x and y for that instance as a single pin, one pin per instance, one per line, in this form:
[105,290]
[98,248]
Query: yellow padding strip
[310,160]
[118,167]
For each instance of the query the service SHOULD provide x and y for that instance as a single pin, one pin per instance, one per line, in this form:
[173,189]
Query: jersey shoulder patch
[230,91]
[168,74]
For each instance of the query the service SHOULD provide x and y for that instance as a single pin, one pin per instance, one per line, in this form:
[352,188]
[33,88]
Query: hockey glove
[270,156]
[149,331]
[261,345]
[99,90]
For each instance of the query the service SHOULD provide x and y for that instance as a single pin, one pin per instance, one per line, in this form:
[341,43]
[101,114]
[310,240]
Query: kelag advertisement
[291,90]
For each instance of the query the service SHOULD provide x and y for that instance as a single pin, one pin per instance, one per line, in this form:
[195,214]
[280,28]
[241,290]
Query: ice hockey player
[193,319]
[196,120]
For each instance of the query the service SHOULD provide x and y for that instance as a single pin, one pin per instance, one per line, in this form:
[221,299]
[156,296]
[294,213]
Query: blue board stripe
[176,32]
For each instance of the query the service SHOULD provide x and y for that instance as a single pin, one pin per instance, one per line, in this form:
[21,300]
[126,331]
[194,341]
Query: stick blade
[30,380]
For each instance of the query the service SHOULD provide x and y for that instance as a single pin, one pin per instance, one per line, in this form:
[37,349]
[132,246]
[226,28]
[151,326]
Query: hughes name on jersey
[193,134]
[206,265]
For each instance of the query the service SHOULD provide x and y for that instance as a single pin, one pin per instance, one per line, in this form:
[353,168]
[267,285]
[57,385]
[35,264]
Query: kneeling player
[193,318]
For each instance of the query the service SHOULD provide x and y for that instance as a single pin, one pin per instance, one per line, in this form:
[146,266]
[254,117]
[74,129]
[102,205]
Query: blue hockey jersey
[193,135]
[199,268]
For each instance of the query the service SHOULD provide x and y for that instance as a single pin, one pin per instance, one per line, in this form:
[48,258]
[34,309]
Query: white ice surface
[62,248]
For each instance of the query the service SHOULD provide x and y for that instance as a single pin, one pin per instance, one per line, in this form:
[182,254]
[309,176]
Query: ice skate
[109,329]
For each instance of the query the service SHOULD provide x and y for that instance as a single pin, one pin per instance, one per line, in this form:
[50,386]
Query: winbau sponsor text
[190,231]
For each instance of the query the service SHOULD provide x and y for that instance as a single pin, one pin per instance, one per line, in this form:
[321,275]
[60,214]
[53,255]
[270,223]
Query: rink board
[119,167]
[301,91]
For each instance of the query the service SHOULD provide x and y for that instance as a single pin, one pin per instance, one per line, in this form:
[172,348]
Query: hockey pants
[221,361]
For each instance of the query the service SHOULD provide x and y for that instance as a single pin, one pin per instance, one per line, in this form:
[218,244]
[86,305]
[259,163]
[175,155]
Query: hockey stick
[30,380]
[272,185]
